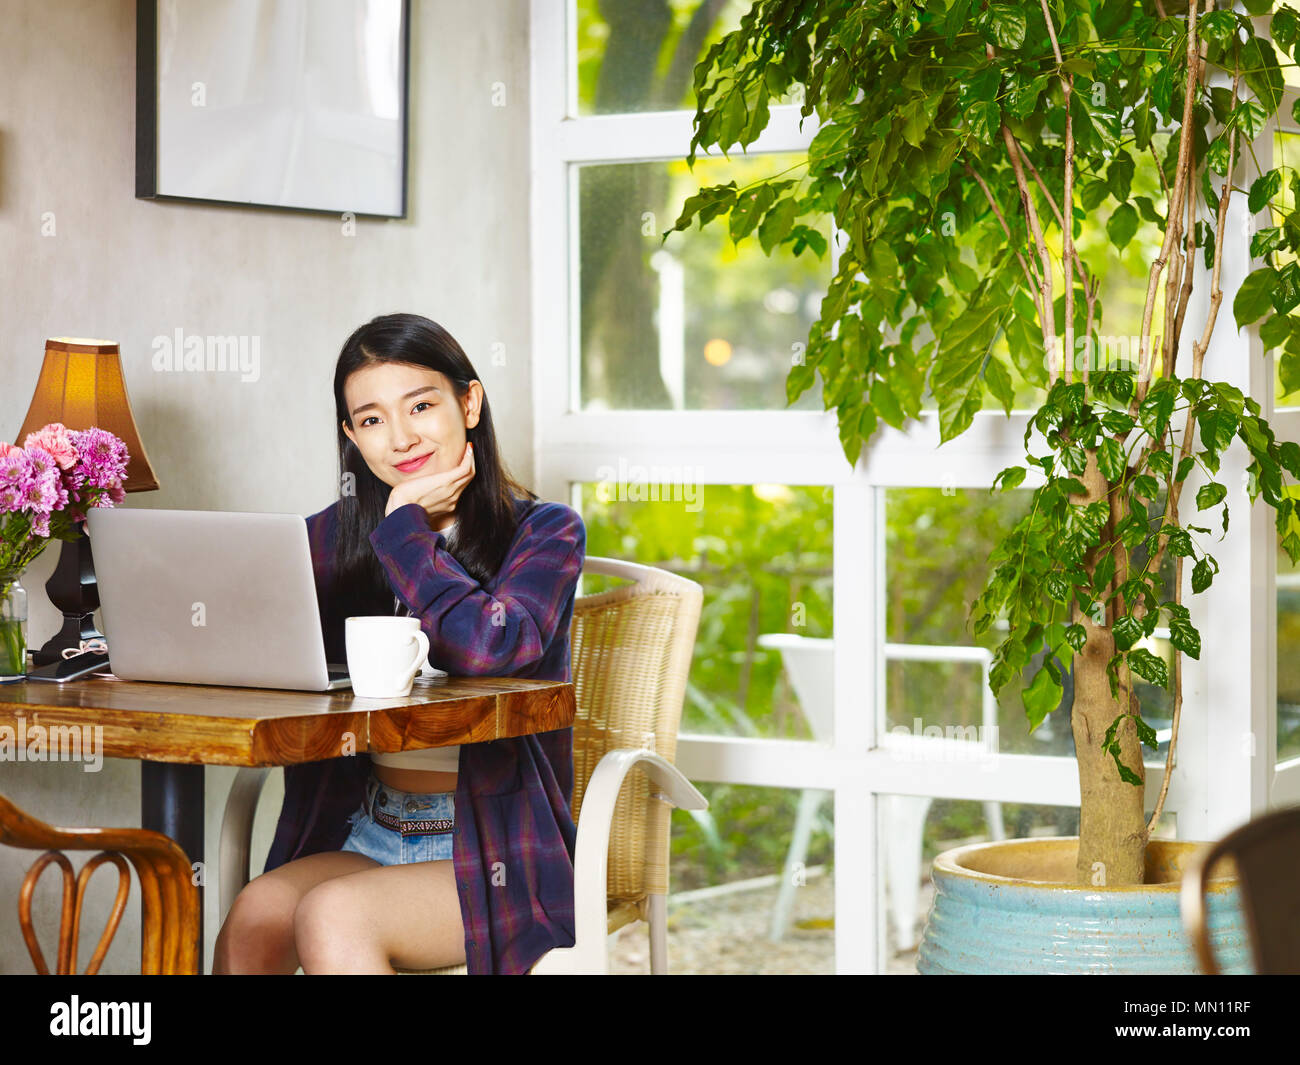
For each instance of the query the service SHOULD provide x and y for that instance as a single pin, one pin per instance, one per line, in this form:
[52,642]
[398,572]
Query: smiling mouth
[413,464]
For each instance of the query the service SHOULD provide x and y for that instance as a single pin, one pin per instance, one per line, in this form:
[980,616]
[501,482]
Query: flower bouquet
[46,488]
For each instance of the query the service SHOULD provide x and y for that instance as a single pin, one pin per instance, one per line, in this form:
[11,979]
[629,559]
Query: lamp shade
[82,386]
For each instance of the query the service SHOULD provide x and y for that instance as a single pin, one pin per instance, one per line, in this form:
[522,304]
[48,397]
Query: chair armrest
[591,853]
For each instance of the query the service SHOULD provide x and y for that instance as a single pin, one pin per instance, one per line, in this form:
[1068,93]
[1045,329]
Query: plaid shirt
[514,840]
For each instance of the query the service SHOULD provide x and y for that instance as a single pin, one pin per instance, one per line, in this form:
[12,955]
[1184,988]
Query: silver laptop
[209,597]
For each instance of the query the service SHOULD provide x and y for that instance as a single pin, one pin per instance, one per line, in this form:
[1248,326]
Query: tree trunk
[1112,826]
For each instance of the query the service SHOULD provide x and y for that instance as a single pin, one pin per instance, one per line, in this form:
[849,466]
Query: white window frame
[1284,777]
[802,447]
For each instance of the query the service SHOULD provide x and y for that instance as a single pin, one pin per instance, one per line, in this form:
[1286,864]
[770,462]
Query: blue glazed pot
[1012,907]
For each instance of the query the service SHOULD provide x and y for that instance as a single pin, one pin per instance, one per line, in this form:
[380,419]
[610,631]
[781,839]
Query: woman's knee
[258,931]
[323,909]
[331,929]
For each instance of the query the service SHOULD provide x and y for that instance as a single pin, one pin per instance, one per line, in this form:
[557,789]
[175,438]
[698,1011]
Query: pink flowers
[47,485]
[57,440]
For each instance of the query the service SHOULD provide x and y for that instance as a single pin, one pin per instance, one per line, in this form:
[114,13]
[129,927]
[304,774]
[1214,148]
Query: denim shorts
[400,827]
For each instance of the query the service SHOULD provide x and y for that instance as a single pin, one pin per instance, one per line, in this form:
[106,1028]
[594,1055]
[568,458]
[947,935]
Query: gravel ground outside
[728,934]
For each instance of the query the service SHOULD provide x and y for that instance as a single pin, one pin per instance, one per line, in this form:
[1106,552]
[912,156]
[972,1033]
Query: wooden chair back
[1266,853]
[170,908]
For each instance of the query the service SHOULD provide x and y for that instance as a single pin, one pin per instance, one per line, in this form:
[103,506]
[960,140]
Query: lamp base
[73,590]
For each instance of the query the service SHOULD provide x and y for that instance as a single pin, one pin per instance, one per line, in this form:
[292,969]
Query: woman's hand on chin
[437,493]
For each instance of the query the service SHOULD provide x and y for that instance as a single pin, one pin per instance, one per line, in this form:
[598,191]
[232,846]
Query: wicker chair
[631,649]
[170,927]
[1266,854]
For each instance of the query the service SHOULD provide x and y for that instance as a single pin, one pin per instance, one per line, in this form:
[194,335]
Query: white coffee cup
[384,654]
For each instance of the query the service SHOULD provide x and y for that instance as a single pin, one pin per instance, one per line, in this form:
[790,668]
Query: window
[697,322]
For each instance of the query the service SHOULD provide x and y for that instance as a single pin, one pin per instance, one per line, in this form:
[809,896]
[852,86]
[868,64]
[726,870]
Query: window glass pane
[937,542]
[914,829]
[1288,656]
[1290,74]
[763,556]
[727,867]
[1286,153]
[694,322]
[640,55]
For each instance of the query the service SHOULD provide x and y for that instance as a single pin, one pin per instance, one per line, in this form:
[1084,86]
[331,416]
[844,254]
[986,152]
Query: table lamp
[82,385]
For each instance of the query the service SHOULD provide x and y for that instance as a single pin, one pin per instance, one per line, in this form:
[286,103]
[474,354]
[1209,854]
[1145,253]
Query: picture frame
[299,105]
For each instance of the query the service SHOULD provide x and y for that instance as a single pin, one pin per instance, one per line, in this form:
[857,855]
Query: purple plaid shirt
[514,839]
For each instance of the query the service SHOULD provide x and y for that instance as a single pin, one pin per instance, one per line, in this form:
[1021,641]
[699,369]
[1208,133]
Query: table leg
[171,802]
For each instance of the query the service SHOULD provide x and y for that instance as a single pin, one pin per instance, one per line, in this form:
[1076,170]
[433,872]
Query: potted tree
[956,138]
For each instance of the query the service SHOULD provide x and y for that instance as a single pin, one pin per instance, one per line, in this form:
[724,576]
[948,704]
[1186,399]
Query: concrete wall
[130,270]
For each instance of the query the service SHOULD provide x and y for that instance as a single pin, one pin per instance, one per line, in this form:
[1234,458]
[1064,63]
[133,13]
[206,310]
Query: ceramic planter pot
[1012,907]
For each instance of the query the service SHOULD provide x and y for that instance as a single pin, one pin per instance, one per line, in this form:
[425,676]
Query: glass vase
[13,629]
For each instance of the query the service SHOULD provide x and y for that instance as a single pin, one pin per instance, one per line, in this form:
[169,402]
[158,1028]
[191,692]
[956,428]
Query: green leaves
[1110,744]
[1127,631]
[916,118]
[1042,696]
[998,380]
[1114,421]
[1210,495]
[1110,459]
[1002,25]
[1155,411]
[1217,428]
[1289,371]
[957,410]
[1122,225]
[1146,486]
[749,207]
[886,403]
[1203,573]
[1289,456]
[777,223]
[1009,478]
[1144,126]
[1263,189]
[708,203]
[1180,543]
[1217,26]
[1146,734]
[1057,587]
[1266,241]
[1182,634]
[1287,292]
[1255,296]
[985,120]
[955,378]
[829,145]
[1285,27]
[1260,68]
[1022,98]
[1119,177]
[1148,666]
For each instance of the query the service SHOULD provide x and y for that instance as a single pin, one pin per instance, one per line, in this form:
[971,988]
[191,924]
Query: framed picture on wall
[297,104]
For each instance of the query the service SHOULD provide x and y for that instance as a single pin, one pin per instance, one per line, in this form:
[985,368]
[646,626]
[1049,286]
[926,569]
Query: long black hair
[485,510]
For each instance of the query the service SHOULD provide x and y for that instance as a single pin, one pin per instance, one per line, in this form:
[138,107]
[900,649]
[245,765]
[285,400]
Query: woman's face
[407,421]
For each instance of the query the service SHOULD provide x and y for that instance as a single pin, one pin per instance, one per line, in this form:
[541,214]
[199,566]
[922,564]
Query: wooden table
[177,729]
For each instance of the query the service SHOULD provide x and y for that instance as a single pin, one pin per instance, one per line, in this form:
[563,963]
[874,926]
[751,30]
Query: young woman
[455,855]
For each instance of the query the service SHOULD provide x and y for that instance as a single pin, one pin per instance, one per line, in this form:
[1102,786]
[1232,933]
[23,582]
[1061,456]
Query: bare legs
[341,912]
[367,922]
